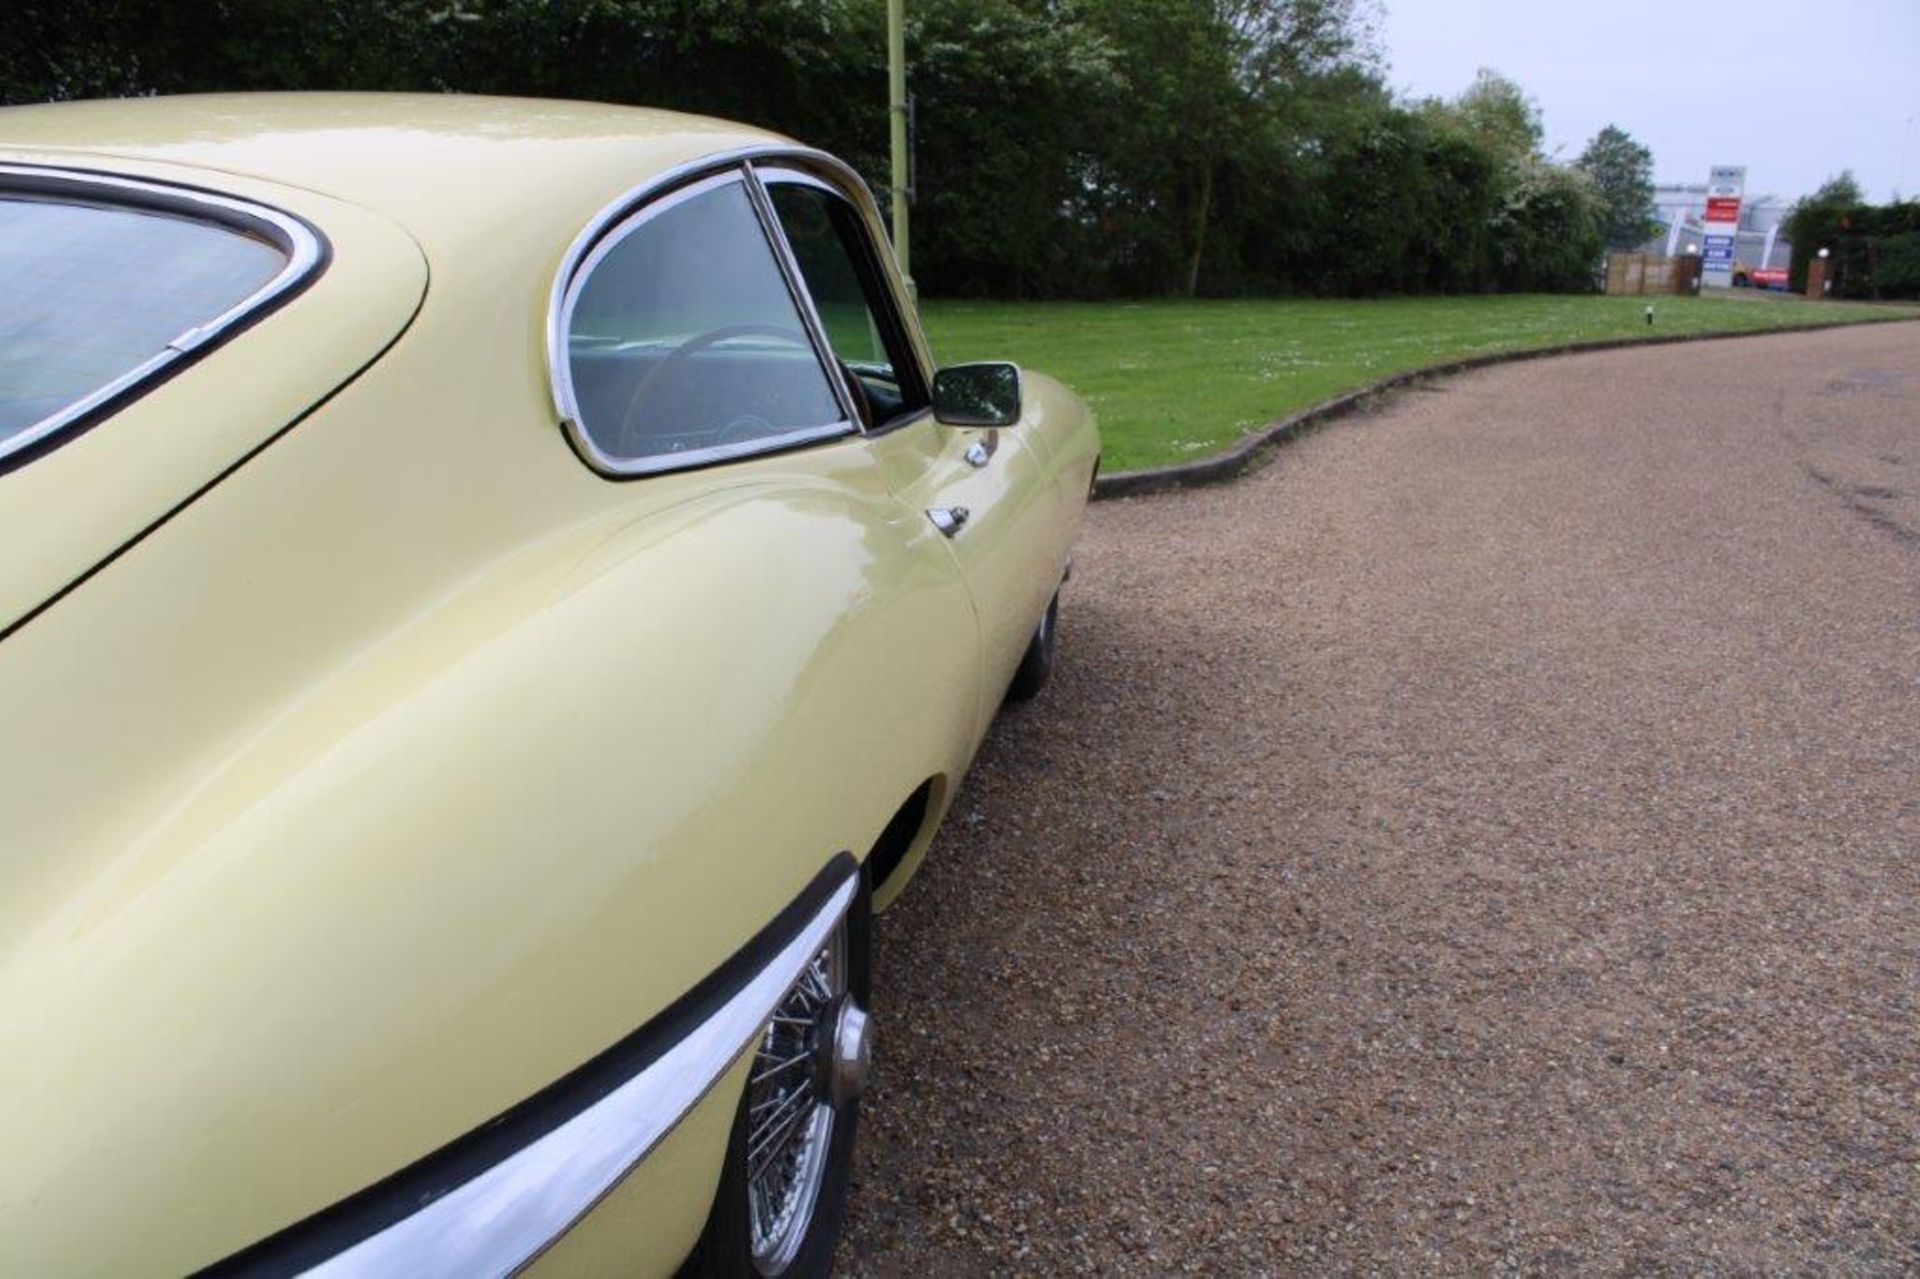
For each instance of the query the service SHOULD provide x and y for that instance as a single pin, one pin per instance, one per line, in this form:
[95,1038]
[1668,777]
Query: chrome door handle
[949,519]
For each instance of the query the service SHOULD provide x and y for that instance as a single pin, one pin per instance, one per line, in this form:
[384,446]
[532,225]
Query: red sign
[1723,208]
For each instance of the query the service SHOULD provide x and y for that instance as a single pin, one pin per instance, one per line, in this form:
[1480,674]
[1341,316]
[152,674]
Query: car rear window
[92,296]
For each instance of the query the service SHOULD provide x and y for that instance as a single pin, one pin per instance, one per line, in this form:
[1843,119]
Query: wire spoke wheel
[790,1109]
[782,1196]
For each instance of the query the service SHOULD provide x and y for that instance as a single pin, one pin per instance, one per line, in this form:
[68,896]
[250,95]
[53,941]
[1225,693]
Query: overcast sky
[1793,89]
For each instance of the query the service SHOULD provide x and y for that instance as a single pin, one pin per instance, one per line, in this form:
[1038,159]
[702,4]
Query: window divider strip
[802,296]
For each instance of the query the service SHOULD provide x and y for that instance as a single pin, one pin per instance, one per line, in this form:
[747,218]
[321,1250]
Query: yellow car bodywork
[369,762]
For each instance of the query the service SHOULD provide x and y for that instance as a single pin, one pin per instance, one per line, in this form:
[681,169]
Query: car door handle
[949,519]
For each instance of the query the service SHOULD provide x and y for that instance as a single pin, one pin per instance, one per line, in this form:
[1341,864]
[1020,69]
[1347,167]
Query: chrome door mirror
[977,395]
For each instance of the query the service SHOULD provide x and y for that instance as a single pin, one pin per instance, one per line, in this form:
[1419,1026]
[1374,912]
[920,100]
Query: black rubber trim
[187,359]
[333,1230]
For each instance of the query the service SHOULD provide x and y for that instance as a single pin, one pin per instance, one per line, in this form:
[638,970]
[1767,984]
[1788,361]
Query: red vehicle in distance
[1759,277]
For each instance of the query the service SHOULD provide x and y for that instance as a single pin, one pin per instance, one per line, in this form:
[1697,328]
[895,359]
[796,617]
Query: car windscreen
[93,296]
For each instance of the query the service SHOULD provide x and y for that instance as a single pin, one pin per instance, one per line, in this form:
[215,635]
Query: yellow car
[493,594]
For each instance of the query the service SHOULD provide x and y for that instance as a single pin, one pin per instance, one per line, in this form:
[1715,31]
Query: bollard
[1649,317]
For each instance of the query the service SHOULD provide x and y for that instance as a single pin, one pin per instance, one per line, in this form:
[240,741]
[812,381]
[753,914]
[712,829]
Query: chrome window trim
[767,175]
[802,296]
[689,459]
[502,1218]
[772,171]
[609,219]
[302,245]
[611,464]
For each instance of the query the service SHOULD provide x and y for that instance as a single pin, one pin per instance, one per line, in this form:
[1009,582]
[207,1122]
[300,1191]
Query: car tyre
[1037,665]
[732,1245]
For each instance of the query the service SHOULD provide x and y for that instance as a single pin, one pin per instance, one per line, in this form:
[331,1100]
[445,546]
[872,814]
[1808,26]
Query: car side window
[862,327]
[684,343]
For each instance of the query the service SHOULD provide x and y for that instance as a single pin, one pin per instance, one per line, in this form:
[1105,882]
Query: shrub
[1875,249]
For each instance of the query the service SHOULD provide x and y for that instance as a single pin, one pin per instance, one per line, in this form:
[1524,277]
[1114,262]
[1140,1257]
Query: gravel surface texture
[1486,840]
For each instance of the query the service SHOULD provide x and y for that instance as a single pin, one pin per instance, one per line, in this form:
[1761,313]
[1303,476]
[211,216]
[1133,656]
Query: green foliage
[1875,249]
[1541,223]
[1006,95]
[1622,174]
[1896,268]
[1080,148]
[1548,231]
[1211,92]
[1497,112]
[1840,190]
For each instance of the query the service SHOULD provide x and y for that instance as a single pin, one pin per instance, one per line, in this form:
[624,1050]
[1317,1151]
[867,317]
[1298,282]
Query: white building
[1680,208]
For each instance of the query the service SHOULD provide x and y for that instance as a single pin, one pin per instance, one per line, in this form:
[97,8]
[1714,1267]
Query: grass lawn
[1173,380]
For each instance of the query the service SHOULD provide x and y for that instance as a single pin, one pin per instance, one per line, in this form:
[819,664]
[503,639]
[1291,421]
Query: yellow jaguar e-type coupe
[493,594]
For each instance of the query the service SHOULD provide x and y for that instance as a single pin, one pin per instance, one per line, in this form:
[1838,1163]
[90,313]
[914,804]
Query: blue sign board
[1725,187]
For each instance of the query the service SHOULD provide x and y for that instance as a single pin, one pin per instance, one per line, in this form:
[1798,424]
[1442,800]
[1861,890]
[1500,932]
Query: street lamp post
[897,95]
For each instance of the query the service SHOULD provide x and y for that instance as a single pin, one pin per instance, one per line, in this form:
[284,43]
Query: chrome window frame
[305,251]
[802,296]
[655,463]
[620,216]
[769,173]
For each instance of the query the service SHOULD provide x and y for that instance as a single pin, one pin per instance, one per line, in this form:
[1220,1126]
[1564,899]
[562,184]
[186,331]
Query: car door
[986,490]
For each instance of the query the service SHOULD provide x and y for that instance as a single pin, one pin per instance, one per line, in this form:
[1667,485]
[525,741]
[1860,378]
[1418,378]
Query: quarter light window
[684,343]
[94,297]
[861,325]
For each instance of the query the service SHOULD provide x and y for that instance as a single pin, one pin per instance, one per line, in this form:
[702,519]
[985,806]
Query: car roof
[447,167]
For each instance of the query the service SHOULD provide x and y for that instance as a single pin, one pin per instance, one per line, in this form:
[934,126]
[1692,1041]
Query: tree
[1543,227]
[1207,85]
[1842,190]
[1286,42]
[1622,172]
[1873,250]
[1087,148]
[1499,113]
[1015,106]
[1548,235]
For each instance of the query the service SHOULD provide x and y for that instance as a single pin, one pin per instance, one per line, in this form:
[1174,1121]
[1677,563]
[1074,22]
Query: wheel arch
[418,878]
[902,845]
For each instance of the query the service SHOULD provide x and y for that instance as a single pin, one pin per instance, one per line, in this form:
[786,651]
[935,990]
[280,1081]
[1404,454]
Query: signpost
[898,110]
[1726,184]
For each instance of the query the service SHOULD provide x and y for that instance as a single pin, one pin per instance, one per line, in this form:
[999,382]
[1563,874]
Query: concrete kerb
[1253,451]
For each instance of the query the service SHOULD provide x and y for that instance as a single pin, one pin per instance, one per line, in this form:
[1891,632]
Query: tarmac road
[1486,839]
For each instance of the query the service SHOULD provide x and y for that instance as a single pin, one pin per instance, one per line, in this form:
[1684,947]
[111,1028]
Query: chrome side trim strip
[302,246]
[501,1219]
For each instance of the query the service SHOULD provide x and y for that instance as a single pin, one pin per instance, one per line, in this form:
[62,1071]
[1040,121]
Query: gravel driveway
[1489,838]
